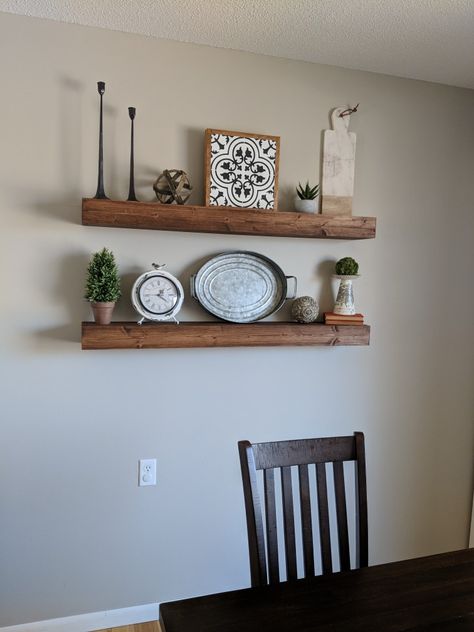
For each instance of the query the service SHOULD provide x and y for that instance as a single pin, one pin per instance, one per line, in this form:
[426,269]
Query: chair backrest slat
[341,512]
[361,491]
[323,512]
[271,522]
[263,533]
[289,522]
[253,510]
[306,521]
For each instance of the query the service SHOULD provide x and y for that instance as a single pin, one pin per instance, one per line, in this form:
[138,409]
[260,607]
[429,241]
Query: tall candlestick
[100,194]
[131,191]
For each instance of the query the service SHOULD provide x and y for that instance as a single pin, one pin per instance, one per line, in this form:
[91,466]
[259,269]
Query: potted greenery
[347,267]
[346,271]
[102,285]
[306,198]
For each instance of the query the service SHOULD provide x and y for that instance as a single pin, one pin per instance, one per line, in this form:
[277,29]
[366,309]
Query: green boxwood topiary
[347,266]
[103,282]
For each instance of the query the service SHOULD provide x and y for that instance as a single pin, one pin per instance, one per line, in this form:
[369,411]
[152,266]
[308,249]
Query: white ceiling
[421,39]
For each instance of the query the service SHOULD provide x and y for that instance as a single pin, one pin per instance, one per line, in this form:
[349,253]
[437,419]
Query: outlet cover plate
[147,472]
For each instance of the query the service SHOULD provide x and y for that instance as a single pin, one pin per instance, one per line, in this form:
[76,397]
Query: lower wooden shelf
[130,335]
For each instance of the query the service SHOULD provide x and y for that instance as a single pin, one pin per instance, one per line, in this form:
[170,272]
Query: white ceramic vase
[306,206]
[345,305]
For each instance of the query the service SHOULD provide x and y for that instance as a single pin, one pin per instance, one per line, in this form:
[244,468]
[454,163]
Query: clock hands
[160,294]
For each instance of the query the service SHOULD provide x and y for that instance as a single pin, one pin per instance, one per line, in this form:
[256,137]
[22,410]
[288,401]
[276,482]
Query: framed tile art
[241,170]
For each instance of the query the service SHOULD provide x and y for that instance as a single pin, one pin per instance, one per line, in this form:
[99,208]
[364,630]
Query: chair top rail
[304,452]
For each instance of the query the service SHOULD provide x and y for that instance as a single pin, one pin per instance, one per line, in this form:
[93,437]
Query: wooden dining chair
[262,518]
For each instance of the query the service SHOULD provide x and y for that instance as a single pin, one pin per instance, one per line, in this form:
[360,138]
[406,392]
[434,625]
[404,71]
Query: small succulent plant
[308,192]
[347,266]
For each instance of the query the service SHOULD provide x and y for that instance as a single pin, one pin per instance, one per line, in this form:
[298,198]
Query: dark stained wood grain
[303,453]
[233,221]
[289,523]
[362,513]
[431,594]
[253,512]
[271,526]
[130,335]
[323,513]
[306,521]
[341,511]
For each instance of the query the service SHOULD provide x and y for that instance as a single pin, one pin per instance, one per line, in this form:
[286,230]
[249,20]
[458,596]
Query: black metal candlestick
[131,191]
[100,195]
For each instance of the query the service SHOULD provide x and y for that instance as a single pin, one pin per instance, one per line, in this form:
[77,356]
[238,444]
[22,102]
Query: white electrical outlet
[147,472]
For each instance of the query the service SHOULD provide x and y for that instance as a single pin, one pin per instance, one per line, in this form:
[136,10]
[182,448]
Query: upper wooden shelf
[130,335]
[214,219]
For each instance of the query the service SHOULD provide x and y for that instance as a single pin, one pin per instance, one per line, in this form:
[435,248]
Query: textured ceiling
[422,39]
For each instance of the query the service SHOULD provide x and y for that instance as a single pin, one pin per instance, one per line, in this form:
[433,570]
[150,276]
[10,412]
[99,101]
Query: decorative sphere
[305,309]
[173,186]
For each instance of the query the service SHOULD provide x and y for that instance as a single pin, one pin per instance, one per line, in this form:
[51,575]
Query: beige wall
[76,533]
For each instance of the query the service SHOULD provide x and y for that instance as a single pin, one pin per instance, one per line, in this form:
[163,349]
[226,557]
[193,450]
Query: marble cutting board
[338,166]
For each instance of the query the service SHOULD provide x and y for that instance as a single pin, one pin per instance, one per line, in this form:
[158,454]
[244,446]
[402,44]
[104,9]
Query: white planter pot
[306,206]
[344,305]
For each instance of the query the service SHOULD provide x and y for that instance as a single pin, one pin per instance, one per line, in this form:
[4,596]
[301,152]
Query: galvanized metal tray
[241,286]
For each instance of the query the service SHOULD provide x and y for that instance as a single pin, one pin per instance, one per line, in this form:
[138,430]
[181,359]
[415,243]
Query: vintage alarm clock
[157,295]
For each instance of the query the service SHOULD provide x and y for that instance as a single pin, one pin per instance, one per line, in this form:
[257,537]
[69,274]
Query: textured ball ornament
[173,186]
[304,309]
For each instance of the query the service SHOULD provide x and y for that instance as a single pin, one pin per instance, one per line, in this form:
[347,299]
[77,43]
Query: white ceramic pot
[306,206]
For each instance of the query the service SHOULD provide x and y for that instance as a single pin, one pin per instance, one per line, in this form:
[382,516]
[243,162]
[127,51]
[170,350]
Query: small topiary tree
[103,282]
[347,266]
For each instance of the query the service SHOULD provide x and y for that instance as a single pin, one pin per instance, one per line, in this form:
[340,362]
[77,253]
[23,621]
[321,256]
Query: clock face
[158,295]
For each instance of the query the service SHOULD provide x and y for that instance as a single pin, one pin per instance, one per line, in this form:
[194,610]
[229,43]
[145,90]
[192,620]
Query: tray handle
[295,287]
[192,286]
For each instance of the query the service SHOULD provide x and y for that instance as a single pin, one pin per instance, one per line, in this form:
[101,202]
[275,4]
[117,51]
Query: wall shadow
[145,177]
[324,271]
[286,196]
[194,144]
[69,291]
[124,308]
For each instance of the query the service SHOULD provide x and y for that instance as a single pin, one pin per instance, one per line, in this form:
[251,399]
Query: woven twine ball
[172,186]
[304,309]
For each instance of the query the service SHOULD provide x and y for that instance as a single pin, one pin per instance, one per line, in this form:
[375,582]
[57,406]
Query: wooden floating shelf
[130,335]
[232,221]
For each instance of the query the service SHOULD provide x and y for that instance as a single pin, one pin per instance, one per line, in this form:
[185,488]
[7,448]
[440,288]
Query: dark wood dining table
[428,594]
